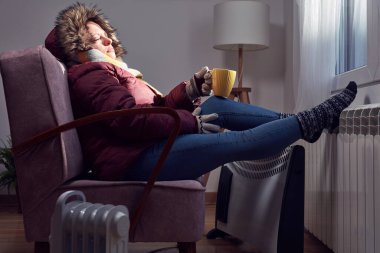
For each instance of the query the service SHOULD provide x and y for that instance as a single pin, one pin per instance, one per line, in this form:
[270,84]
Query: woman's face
[99,39]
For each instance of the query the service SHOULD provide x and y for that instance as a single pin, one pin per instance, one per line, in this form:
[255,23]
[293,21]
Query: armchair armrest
[50,133]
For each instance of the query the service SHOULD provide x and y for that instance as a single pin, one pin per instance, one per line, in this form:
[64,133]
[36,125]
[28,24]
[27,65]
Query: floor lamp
[241,26]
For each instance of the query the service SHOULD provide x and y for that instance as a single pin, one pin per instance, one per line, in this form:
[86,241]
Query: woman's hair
[70,34]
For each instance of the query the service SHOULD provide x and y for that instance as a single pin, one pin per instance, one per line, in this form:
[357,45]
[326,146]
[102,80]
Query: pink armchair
[50,163]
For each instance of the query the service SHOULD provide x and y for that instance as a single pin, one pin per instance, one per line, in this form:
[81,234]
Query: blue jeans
[255,133]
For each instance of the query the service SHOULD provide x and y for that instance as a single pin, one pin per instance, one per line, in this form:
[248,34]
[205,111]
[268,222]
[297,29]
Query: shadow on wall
[367,100]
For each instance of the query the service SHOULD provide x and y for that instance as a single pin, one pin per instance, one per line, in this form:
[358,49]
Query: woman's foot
[313,138]
[325,115]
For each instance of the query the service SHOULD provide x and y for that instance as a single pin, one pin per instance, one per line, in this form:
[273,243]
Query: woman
[127,148]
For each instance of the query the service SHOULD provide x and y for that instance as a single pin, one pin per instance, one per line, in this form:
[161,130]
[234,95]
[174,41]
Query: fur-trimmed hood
[69,35]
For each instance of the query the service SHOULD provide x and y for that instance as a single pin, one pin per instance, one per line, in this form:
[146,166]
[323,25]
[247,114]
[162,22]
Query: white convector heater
[342,183]
[261,202]
[81,227]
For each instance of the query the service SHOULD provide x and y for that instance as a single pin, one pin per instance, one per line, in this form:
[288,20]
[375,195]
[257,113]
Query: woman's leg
[193,155]
[261,134]
[238,116]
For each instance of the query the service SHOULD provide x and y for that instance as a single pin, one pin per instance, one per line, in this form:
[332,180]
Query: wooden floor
[12,236]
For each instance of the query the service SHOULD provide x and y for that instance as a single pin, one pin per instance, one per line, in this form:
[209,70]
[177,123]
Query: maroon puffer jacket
[110,147]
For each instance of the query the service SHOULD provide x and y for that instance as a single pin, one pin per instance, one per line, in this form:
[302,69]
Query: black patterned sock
[313,138]
[326,114]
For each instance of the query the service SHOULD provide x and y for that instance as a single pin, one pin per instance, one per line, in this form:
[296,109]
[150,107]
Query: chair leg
[187,247]
[41,247]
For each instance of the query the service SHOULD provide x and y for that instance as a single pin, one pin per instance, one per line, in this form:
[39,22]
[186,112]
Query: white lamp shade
[242,24]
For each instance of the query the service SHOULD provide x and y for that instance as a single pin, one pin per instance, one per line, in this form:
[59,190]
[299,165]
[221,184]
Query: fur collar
[71,29]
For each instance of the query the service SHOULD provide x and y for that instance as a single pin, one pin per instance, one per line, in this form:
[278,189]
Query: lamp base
[241,94]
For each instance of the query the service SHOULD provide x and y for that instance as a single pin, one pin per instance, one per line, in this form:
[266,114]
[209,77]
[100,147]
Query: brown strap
[52,132]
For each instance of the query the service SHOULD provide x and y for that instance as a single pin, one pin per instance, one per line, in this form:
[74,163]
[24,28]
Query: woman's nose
[107,41]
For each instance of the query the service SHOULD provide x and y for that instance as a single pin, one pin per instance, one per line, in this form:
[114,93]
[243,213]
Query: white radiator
[342,174]
[81,227]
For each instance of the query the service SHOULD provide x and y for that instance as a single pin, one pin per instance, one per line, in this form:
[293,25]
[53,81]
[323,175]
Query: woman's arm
[188,92]
[176,99]
[98,89]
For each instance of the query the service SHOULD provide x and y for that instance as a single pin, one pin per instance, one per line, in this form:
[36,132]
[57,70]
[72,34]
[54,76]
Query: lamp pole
[240,92]
[240,67]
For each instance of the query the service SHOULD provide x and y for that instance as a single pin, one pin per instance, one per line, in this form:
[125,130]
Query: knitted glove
[199,84]
[203,126]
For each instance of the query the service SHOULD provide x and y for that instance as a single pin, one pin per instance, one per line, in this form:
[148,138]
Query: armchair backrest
[37,98]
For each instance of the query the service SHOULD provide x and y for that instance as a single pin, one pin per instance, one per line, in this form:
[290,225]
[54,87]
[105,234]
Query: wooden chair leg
[187,247]
[41,247]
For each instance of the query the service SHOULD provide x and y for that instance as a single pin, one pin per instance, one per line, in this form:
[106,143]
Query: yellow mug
[222,81]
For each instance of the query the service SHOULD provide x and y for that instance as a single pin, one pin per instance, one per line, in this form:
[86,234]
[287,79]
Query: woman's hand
[200,84]
[204,78]
[203,126]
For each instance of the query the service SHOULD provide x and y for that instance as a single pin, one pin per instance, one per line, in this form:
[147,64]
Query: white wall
[167,40]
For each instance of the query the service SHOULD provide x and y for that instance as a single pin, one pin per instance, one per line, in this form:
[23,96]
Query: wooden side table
[241,93]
